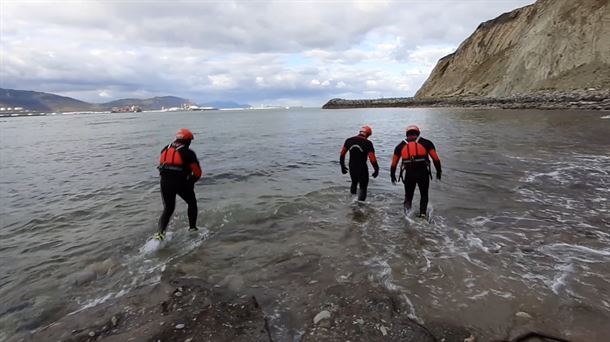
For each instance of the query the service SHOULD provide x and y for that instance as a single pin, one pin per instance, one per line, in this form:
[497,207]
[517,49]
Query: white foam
[153,245]
[560,281]
[476,242]
[577,249]
[412,314]
[506,295]
[479,221]
[605,117]
[554,175]
[93,302]
[479,295]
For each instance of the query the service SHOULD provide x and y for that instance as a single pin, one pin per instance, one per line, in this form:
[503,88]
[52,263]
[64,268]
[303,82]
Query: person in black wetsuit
[179,170]
[360,148]
[415,167]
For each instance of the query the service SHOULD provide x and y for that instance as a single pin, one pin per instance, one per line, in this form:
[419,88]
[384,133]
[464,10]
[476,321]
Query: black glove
[394,179]
[376,173]
[438,175]
[343,169]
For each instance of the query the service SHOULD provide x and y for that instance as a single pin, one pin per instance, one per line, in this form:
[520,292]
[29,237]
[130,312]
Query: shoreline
[546,100]
[190,309]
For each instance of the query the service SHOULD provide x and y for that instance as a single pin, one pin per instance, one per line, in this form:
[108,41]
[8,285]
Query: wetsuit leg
[423,182]
[354,176]
[410,184]
[363,180]
[188,195]
[168,194]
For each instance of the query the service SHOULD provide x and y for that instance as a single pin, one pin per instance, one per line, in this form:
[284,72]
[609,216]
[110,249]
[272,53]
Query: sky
[289,53]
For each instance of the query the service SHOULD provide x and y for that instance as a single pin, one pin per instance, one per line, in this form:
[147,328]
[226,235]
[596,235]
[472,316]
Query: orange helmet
[184,134]
[413,128]
[367,130]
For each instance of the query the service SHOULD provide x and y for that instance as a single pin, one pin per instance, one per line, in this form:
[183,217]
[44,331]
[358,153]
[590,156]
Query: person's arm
[436,161]
[196,172]
[395,159]
[373,160]
[342,158]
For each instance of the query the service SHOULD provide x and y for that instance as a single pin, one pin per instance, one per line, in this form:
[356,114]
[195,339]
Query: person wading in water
[415,168]
[359,148]
[179,170]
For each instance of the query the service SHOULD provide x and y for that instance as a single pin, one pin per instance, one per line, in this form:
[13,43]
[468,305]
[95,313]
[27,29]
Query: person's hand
[438,175]
[376,173]
[343,169]
[394,179]
[191,182]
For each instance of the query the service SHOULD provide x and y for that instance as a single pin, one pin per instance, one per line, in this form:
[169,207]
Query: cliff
[556,45]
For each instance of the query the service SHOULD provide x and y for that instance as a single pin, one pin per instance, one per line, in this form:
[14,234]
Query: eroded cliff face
[550,45]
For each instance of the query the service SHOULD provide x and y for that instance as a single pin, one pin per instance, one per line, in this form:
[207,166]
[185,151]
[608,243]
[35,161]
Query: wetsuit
[179,170]
[415,169]
[360,148]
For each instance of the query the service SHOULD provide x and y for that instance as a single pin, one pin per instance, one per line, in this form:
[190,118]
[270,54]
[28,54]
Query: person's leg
[423,183]
[168,194]
[409,183]
[188,195]
[354,176]
[363,180]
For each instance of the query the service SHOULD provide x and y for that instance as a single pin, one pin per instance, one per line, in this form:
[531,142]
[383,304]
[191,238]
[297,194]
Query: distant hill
[46,102]
[41,102]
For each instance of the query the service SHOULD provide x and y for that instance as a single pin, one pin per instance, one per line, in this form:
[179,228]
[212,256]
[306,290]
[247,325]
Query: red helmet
[413,128]
[367,130]
[184,134]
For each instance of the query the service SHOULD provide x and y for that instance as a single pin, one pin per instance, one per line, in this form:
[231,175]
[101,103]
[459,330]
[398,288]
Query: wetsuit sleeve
[342,154]
[373,158]
[195,167]
[435,159]
[396,158]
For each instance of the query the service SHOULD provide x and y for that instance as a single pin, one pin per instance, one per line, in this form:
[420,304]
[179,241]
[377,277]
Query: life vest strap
[414,160]
[170,167]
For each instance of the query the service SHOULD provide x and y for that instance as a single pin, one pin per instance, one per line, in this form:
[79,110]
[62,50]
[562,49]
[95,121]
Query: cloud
[428,55]
[304,52]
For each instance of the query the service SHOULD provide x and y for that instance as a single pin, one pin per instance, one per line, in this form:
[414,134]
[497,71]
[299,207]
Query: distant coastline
[15,102]
[591,99]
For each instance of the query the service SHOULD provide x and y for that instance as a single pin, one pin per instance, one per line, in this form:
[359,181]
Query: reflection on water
[520,221]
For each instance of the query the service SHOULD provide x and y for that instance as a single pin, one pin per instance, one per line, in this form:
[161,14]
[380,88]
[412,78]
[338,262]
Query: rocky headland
[554,54]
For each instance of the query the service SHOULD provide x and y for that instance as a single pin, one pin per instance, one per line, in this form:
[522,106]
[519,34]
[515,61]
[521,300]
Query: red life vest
[171,159]
[413,152]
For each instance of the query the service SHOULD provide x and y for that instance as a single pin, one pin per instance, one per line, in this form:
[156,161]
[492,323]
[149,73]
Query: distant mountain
[46,102]
[41,102]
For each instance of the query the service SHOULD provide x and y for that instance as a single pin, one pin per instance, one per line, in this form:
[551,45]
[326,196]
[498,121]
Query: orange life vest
[171,159]
[413,152]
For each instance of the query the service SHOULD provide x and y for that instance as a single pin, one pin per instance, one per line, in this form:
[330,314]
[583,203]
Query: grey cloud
[230,50]
[261,27]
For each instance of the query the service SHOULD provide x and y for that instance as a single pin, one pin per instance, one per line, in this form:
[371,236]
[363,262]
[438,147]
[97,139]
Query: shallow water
[521,220]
